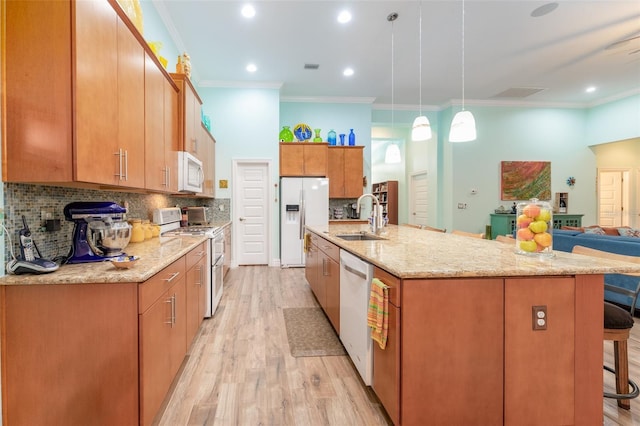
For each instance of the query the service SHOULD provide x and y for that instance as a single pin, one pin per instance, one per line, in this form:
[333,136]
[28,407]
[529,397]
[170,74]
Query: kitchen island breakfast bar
[89,344]
[465,346]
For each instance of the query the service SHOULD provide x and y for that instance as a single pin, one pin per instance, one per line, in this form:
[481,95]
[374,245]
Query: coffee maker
[100,231]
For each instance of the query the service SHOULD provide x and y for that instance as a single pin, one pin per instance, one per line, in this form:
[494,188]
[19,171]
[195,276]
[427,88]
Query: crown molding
[277,85]
[327,99]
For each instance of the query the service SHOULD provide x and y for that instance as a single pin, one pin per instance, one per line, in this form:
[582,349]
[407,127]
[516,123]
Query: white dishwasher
[355,286]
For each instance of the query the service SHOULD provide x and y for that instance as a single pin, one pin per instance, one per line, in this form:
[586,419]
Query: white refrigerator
[303,201]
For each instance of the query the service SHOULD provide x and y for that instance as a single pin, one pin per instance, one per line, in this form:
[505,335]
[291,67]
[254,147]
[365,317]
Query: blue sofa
[564,240]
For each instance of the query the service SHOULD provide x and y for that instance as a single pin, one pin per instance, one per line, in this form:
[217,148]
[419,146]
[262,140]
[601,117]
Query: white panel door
[251,196]
[418,195]
[610,198]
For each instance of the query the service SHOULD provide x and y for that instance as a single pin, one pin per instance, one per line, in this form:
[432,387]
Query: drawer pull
[172,277]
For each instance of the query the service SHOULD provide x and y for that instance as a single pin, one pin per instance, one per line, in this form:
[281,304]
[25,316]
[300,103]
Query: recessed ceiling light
[348,72]
[248,11]
[252,68]
[590,89]
[344,17]
[544,9]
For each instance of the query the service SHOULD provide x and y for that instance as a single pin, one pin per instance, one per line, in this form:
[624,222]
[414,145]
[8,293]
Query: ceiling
[579,44]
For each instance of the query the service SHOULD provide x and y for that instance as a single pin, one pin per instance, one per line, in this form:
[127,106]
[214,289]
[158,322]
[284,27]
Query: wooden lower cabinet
[69,354]
[331,283]
[386,362]
[311,265]
[322,271]
[464,351]
[98,354]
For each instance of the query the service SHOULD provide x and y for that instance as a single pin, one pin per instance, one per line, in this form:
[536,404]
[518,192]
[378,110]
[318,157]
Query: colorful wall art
[522,180]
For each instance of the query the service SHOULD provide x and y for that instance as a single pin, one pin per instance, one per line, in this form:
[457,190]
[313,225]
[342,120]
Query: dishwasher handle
[355,271]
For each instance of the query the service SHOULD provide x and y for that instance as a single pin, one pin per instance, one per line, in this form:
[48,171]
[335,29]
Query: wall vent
[311,66]
[519,92]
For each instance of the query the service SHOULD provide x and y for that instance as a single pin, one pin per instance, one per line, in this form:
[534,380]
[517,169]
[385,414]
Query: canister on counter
[534,228]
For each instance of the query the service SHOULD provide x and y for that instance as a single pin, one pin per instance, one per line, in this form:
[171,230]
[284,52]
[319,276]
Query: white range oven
[169,221]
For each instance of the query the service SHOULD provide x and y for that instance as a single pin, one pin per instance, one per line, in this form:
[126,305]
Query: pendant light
[392,154]
[421,127]
[463,126]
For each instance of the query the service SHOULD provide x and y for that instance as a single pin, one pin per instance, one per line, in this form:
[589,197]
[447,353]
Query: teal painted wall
[244,123]
[559,135]
[614,121]
[155,30]
[339,117]
[517,134]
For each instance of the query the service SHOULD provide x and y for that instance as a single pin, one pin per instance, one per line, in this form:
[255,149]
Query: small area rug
[310,334]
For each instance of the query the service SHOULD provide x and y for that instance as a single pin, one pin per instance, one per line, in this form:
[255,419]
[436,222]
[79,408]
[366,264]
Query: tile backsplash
[34,200]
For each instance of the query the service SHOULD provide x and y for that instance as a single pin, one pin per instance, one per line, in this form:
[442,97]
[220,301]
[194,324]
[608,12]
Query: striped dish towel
[378,313]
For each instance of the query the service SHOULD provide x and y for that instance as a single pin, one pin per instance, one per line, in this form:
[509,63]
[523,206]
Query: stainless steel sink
[359,237]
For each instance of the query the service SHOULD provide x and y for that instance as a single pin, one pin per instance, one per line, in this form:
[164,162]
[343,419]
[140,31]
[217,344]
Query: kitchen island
[465,345]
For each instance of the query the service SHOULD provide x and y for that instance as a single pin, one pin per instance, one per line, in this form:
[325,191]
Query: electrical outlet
[539,317]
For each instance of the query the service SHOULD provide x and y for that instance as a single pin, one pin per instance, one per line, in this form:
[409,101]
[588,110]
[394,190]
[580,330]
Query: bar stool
[617,323]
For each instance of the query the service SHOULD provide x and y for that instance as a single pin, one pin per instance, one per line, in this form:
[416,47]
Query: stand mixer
[100,231]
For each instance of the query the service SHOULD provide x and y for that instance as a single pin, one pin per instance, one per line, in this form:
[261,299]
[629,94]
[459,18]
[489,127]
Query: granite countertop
[155,255]
[408,252]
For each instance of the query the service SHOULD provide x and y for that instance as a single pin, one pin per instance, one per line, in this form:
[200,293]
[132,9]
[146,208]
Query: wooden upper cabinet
[131,67]
[96,24]
[37,104]
[171,137]
[345,171]
[155,168]
[75,95]
[77,115]
[109,98]
[189,120]
[303,159]
[161,130]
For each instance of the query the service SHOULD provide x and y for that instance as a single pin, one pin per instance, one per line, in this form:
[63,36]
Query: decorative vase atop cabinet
[331,137]
[318,138]
[286,135]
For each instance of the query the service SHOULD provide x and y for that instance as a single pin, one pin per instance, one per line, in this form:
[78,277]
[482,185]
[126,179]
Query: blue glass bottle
[331,137]
[352,138]
[342,135]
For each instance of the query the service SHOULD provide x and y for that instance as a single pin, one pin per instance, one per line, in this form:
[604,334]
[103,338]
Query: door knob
[241,219]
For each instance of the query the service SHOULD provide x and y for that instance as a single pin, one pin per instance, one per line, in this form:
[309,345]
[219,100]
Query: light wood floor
[240,371]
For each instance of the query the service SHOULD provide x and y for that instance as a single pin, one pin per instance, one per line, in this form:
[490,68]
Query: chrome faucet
[377,212]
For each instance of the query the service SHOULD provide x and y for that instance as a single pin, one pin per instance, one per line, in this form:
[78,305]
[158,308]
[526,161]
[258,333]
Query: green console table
[503,224]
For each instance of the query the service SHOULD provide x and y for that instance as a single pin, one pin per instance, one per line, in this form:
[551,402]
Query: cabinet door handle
[170,320]
[164,176]
[173,310]
[172,277]
[169,176]
[119,154]
[126,165]
[324,271]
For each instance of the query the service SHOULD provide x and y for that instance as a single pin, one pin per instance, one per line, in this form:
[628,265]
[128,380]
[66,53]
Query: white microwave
[190,173]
